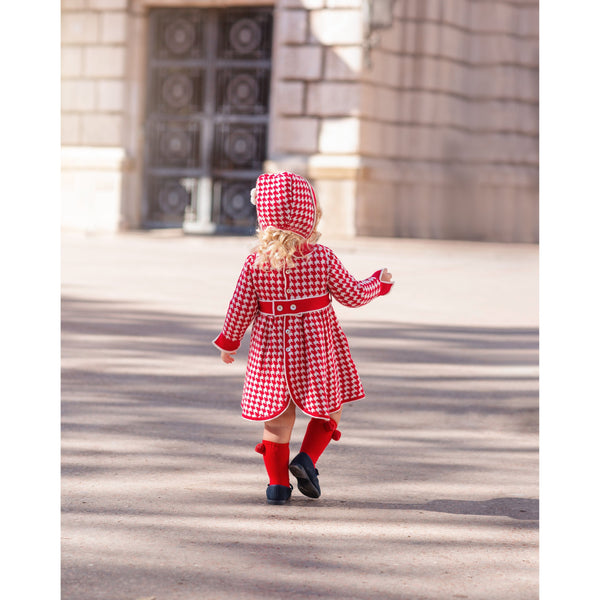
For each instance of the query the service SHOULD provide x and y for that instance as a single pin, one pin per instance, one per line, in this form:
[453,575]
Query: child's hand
[227,357]
[386,276]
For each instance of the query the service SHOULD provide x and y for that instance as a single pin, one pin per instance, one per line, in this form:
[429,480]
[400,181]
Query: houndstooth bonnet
[285,201]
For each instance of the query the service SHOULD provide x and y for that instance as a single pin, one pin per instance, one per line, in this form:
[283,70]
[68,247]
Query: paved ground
[432,492]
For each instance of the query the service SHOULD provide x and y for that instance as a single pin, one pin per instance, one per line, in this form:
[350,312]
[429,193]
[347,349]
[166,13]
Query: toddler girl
[299,355]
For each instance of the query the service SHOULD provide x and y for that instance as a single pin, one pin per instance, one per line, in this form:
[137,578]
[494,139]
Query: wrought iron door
[207,115]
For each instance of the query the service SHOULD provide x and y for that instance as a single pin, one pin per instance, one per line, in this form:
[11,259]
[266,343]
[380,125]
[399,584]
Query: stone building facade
[427,127]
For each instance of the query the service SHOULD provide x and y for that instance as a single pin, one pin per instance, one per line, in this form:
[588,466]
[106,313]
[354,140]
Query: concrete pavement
[432,492]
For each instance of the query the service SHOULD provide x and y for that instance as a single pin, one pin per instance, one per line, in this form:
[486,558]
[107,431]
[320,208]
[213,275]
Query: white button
[288,331]
[279,307]
[293,307]
[288,349]
[289,291]
[287,271]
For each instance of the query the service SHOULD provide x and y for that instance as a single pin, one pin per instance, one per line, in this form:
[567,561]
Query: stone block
[335,166]
[386,104]
[432,68]
[436,138]
[337,198]
[413,9]
[295,135]
[507,81]
[433,9]
[479,83]
[79,28]
[343,3]
[528,23]
[77,95]
[460,110]
[528,118]
[90,200]
[333,99]
[528,81]
[71,61]
[391,38]
[484,49]
[521,120]
[343,62]
[405,71]
[104,61]
[408,37]
[102,130]
[504,50]
[387,144]
[113,27]
[456,12]
[299,62]
[376,205]
[336,27]
[384,68]
[307,4]
[393,71]
[108,4]
[425,105]
[73,5]
[404,111]
[370,138]
[289,98]
[453,43]
[450,76]
[70,129]
[339,136]
[367,101]
[503,18]
[527,225]
[417,63]
[111,95]
[483,16]
[292,26]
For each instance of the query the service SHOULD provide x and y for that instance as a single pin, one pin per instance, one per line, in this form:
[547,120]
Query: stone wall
[434,133]
[450,123]
[436,137]
[94,112]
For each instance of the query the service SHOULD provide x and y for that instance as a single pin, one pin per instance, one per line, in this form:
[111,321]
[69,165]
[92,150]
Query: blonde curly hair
[277,247]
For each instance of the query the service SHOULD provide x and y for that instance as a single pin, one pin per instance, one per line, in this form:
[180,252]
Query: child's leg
[318,435]
[275,446]
[279,430]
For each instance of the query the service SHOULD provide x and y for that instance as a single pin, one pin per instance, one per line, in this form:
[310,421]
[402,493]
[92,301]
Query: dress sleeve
[241,312]
[349,291]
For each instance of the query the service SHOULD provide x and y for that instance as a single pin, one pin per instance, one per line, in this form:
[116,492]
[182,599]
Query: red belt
[293,307]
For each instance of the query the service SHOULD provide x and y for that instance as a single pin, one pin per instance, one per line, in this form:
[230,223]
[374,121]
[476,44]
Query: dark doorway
[206,117]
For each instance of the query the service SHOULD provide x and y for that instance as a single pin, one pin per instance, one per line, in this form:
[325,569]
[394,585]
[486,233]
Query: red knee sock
[277,458]
[318,434]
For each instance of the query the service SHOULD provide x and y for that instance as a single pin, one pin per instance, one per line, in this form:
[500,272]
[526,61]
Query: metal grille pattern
[207,115]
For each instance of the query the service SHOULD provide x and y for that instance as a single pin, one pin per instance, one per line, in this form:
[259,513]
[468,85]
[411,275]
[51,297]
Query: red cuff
[222,343]
[384,287]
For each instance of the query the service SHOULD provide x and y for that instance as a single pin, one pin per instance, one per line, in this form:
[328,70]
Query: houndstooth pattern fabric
[305,358]
[285,201]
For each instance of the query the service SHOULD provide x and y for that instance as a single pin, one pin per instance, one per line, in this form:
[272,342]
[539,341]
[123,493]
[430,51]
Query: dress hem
[256,420]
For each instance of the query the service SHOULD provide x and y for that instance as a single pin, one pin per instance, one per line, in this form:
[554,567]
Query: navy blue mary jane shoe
[303,469]
[278,494]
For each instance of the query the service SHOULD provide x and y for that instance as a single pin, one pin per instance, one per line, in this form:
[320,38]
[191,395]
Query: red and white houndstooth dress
[298,351]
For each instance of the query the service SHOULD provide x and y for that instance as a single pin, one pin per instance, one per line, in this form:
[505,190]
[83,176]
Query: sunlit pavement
[431,493]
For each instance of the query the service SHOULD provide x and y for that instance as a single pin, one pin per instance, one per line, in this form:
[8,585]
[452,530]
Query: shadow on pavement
[163,494]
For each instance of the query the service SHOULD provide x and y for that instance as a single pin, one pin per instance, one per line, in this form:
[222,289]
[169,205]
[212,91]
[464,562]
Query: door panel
[207,115]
